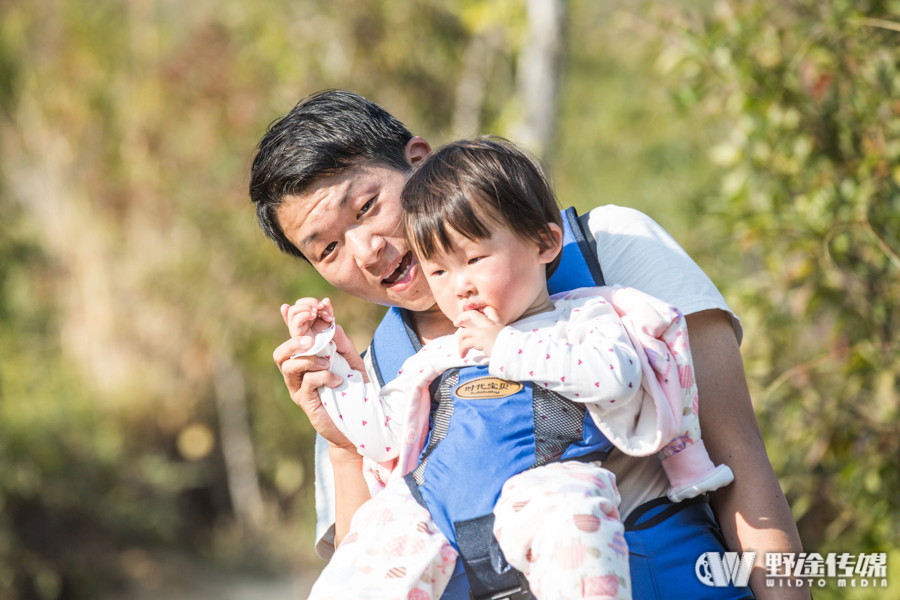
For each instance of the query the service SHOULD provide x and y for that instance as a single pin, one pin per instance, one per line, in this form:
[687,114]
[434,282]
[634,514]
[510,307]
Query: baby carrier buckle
[518,592]
[490,576]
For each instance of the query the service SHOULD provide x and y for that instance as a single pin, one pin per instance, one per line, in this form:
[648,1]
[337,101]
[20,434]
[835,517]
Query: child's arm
[355,407]
[589,359]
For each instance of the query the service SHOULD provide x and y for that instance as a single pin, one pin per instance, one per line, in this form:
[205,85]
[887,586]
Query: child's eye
[437,273]
[328,250]
[472,261]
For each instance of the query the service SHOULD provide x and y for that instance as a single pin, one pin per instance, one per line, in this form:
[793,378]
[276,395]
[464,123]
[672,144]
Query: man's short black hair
[472,186]
[326,133]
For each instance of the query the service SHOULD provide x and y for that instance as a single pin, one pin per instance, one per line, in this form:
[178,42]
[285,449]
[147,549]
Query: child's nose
[464,286]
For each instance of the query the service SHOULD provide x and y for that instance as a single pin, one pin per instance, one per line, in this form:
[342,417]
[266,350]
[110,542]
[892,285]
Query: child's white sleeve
[585,355]
[370,420]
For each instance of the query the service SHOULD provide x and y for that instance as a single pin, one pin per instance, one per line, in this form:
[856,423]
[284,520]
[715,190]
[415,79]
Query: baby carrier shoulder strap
[394,341]
[579,265]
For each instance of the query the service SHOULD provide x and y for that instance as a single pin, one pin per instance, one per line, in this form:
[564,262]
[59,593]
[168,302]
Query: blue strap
[664,542]
[394,341]
[588,245]
[577,266]
[481,561]
[594,445]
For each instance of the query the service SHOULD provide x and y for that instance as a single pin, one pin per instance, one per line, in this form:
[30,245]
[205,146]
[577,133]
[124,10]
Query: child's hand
[308,316]
[479,331]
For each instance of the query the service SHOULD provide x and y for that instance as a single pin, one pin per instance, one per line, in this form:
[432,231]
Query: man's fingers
[345,348]
[304,390]
[291,347]
[316,379]
[285,351]
[309,400]
[297,367]
[296,370]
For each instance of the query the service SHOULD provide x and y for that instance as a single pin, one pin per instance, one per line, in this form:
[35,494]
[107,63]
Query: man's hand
[479,331]
[304,375]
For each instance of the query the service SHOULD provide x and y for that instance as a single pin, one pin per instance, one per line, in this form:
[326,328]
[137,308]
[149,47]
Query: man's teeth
[404,273]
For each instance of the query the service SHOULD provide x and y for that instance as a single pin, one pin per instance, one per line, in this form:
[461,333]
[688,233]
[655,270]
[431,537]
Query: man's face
[349,227]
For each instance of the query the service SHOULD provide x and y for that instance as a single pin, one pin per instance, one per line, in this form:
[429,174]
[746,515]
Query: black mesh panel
[557,424]
[443,397]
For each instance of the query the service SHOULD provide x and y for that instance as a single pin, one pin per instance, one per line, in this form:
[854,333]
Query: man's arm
[350,488]
[752,511]
[303,376]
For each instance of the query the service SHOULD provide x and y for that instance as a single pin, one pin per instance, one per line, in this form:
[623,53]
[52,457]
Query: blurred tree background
[141,416]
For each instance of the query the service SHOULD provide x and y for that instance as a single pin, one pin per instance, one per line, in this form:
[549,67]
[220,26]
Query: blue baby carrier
[474,421]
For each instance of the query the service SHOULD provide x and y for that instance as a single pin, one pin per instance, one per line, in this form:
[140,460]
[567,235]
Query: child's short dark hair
[470,183]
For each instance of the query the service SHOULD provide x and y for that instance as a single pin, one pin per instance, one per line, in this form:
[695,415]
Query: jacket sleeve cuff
[505,352]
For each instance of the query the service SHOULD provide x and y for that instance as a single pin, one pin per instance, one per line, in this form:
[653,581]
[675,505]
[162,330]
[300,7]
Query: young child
[543,380]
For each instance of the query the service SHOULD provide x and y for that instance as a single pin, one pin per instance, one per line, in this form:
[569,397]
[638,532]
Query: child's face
[502,272]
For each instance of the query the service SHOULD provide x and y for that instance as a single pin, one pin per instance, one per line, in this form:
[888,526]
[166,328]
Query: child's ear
[552,244]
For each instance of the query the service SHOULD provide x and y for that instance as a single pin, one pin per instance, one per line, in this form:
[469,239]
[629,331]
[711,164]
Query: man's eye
[328,250]
[365,208]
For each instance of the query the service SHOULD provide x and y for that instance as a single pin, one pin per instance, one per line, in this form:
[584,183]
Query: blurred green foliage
[808,97]
[764,137]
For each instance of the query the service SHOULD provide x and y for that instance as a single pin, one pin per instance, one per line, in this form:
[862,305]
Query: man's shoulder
[614,210]
[613,218]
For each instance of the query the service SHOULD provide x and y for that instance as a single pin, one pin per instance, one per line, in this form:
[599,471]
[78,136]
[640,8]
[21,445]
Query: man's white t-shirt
[634,252]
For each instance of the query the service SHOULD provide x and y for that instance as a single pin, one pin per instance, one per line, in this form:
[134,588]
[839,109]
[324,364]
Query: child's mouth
[402,272]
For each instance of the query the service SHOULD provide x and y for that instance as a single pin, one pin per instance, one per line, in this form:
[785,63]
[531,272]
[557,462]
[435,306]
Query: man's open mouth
[401,272]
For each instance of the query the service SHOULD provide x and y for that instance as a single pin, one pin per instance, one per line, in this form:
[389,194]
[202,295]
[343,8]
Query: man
[326,182]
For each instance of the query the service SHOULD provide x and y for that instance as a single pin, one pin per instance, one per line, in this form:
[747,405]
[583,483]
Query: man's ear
[416,149]
[552,244]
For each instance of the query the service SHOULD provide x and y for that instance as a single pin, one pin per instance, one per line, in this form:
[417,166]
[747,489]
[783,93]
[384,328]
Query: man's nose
[367,247]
